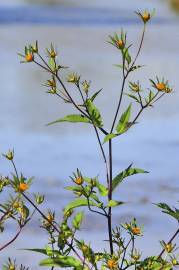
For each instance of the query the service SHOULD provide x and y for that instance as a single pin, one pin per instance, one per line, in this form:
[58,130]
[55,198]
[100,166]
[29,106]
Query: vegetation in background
[64,248]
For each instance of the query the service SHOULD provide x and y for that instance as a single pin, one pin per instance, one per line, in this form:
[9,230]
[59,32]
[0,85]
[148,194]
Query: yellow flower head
[29,57]
[112,264]
[79,180]
[23,187]
[136,230]
[161,86]
[120,43]
[50,217]
[146,16]
[85,248]
[169,247]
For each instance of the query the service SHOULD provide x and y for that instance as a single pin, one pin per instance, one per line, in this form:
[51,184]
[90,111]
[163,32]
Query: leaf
[113,203]
[42,251]
[168,210]
[153,263]
[52,64]
[127,172]
[102,189]
[109,137]
[94,113]
[122,125]
[78,203]
[134,97]
[127,56]
[73,118]
[95,95]
[62,261]
[78,220]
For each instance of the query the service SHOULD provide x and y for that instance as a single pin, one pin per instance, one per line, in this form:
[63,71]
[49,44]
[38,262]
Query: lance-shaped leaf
[127,172]
[94,113]
[109,137]
[62,261]
[78,220]
[78,203]
[113,203]
[95,95]
[43,251]
[123,123]
[73,118]
[168,210]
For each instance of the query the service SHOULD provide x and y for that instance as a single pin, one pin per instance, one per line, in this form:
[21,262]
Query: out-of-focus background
[80,29]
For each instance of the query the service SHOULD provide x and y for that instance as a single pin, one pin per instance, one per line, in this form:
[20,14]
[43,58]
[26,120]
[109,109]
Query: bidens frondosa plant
[64,247]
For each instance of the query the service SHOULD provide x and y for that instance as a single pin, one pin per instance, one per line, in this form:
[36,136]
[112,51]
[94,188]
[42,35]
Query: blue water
[47,15]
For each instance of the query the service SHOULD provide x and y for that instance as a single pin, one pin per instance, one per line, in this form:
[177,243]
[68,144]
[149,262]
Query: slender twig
[124,254]
[44,61]
[12,240]
[140,46]
[15,169]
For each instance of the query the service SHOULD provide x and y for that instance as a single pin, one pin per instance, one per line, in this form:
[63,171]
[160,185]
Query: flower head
[161,85]
[145,16]
[136,230]
[29,57]
[112,263]
[23,187]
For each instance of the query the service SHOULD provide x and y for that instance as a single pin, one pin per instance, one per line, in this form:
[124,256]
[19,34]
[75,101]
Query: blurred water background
[80,29]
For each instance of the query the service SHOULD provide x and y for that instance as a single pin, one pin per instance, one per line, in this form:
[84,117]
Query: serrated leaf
[127,172]
[113,203]
[62,261]
[168,210]
[78,220]
[109,137]
[122,125]
[78,203]
[72,118]
[94,113]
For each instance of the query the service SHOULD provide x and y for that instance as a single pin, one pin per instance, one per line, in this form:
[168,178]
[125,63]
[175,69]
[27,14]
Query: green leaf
[95,95]
[94,113]
[122,125]
[73,118]
[62,261]
[109,137]
[52,64]
[153,263]
[42,251]
[127,56]
[102,189]
[113,203]
[168,210]
[133,97]
[78,203]
[127,172]
[78,220]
